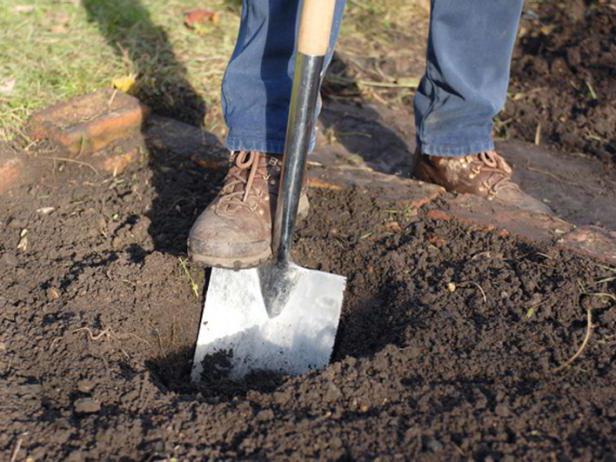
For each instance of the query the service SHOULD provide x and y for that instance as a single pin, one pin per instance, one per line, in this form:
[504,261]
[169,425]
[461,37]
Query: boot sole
[231,263]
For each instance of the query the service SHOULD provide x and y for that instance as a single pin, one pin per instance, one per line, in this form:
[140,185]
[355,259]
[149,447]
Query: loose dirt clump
[563,81]
[447,349]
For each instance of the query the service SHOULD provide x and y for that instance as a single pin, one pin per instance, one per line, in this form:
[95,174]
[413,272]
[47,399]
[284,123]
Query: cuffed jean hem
[444,150]
[243,143]
[472,141]
[238,142]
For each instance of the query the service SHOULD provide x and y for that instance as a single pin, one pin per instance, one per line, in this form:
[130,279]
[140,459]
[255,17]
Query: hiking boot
[235,230]
[485,174]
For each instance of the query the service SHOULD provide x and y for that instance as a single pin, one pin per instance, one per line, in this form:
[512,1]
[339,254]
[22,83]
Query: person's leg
[465,85]
[467,74]
[257,83]
[235,229]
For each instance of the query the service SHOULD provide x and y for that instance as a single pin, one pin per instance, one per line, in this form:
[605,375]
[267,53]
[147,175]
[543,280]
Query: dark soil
[563,81]
[447,347]
[451,344]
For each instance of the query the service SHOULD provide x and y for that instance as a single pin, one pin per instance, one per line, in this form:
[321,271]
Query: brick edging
[477,212]
[89,126]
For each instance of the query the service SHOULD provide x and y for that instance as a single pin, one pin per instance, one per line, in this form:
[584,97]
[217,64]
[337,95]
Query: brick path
[107,131]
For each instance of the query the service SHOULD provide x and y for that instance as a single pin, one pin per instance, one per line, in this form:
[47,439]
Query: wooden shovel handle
[316,27]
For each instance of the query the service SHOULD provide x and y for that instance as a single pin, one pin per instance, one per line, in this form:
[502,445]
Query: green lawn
[54,49]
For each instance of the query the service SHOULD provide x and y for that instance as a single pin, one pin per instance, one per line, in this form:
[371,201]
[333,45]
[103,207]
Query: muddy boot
[485,174]
[235,230]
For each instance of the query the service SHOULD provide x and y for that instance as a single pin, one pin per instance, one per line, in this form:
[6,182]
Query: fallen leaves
[53,294]
[198,16]
[125,83]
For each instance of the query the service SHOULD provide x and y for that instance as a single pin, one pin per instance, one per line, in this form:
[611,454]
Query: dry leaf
[125,83]
[53,293]
[200,16]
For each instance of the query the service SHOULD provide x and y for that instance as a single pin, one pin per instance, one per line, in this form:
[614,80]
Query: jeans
[464,86]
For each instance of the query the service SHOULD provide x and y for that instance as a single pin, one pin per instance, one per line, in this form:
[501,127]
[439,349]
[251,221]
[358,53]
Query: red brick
[488,215]
[592,241]
[89,123]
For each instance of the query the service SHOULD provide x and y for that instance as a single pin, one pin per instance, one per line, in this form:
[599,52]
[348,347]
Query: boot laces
[238,185]
[499,172]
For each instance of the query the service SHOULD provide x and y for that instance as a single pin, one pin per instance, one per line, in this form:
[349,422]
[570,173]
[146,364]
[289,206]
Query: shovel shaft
[313,39]
[299,130]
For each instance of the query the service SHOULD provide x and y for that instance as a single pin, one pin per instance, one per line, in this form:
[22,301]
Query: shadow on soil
[354,123]
[184,186]
[129,30]
[183,189]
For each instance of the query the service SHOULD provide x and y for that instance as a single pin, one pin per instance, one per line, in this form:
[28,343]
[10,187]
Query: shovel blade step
[235,324]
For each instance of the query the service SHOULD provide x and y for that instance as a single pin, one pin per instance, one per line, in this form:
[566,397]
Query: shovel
[278,317]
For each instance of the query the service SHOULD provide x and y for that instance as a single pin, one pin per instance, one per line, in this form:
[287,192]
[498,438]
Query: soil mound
[563,80]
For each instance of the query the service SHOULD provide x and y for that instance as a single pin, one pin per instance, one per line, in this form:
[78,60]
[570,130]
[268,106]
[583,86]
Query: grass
[51,50]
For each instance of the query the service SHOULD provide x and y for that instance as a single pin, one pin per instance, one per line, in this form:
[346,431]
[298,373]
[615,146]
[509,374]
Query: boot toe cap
[215,238]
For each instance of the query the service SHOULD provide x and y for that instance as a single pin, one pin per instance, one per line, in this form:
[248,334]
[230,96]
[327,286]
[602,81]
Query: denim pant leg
[467,74]
[257,85]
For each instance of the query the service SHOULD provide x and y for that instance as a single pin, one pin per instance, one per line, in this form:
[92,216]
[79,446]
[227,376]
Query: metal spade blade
[236,322]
